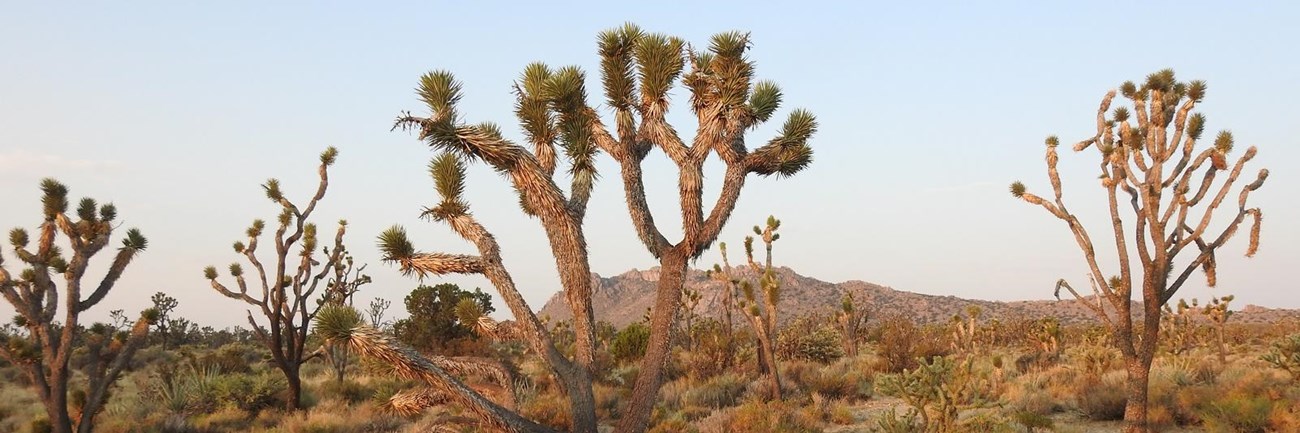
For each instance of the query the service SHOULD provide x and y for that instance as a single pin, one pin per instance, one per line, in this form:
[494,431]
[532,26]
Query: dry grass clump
[760,417]
[1103,399]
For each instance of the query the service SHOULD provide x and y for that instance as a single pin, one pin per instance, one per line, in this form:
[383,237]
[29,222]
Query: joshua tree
[691,299]
[965,329]
[759,306]
[1156,164]
[283,292]
[638,70]
[164,305]
[852,317]
[1218,312]
[375,312]
[42,347]
[342,286]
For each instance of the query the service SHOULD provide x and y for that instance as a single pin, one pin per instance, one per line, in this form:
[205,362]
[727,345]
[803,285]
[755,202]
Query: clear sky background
[177,111]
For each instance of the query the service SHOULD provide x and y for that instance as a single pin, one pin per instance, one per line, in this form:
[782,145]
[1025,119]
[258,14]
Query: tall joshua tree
[44,348]
[283,291]
[341,288]
[1170,183]
[638,70]
[759,306]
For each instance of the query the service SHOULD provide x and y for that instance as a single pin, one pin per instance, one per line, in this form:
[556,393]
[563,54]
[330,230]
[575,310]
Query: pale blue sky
[178,111]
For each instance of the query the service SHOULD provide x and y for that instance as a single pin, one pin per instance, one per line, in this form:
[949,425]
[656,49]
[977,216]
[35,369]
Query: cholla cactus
[759,305]
[1150,156]
[1218,313]
[1178,326]
[284,288]
[638,69]
[43,347]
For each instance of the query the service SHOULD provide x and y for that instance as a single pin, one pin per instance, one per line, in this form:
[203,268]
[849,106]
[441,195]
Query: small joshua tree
[964,330]
[164,305]
[1218,313]
[1170,188]
[284,292]
[851,317]
[41,347]
[759,306]
[341,288]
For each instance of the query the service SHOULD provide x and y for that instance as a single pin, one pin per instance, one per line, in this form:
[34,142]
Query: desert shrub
[841,380]
[226,419]
[40,425]
[1238,413]
[1104,399]
[607,401]
[348,391]
[251,393]
[900,343]
[630,342]
[771,417]
[548,409]
[809,338]
[713,353]
[1033,421]
[839,413]
[718,392]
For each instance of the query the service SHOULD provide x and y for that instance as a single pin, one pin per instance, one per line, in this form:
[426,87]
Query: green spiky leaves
[448,172]
[1162,81]
[440,91]
[210,273]
[1224,142]
[1196,90]
[108,212]
[394,246]
[135,240]
[764,100]
[1017,189]
[616,50]
[1121,114]
[789,152]
[1128,89]
[1196,125]
[337,322]
[236,270]
[734,71]
[18,238]
[1052,141]
[532,106]
[256,228]
[272,189]
[86,209]
[328,156]
[659,61]
[54,197]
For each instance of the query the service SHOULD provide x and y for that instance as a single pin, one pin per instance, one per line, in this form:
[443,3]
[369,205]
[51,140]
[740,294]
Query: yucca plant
[1153,156]
[638,70]
[283,290]
[42,347]
[852,318]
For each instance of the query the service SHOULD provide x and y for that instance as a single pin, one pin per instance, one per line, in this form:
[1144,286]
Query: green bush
[630,343]
[719,392]
[249,392]
[348,391]
[1101,401]
[807,341]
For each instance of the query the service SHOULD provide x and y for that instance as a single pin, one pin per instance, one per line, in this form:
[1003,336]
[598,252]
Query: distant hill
[624,298]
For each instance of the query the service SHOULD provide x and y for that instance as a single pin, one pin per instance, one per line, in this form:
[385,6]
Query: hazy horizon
[178,112]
